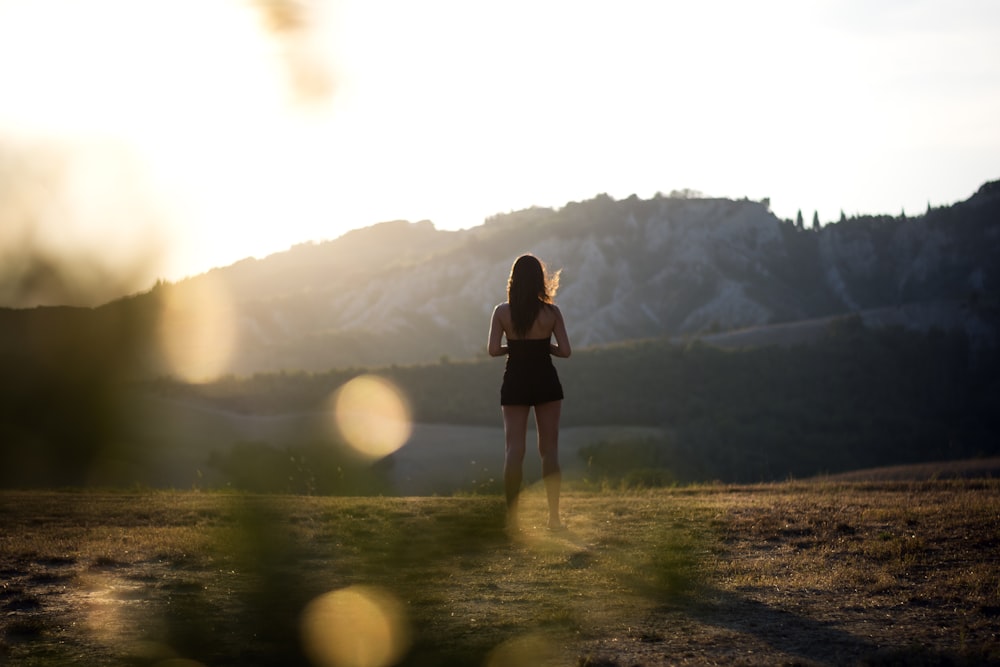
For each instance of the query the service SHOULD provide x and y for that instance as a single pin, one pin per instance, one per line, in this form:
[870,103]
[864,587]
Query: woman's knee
[550,466]
[514,450]
[548,448]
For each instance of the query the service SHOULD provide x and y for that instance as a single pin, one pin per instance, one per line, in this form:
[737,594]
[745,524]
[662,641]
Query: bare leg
[515,428]
[547,422]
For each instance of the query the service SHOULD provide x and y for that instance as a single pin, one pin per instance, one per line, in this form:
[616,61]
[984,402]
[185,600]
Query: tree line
[852,399]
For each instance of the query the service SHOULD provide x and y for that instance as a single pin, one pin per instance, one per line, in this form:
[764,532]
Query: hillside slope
[404,293]
[400,293]
[644,284]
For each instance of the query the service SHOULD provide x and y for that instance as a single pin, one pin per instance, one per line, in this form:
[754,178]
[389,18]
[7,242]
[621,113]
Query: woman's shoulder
[502,312]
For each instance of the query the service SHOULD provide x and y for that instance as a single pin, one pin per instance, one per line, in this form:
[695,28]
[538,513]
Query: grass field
[799,573]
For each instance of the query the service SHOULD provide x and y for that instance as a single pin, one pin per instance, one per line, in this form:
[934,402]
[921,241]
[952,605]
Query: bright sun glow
[198,95]
[253,125]
[148,72]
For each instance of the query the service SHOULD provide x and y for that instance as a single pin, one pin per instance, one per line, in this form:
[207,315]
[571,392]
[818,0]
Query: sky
[172,136]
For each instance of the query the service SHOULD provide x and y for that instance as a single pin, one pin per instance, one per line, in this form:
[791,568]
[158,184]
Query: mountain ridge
[403,292]
[757,348]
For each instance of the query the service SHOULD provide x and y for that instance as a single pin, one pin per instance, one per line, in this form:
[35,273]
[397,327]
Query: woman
[529,320]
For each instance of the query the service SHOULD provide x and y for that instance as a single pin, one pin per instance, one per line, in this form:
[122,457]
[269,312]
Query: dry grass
[795,573]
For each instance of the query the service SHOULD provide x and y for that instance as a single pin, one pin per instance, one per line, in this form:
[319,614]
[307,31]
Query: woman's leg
[547,422]
[515,429]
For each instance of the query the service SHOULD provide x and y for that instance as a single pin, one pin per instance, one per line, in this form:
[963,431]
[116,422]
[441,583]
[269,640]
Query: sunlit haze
[193,133]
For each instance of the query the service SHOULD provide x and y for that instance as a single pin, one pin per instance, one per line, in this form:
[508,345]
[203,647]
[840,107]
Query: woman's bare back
[547,324]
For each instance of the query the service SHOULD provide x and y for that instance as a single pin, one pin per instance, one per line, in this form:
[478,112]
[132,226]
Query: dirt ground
[872,574]
[886,573]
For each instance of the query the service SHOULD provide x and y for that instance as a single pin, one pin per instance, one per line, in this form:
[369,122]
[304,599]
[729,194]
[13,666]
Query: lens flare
[372,416]
[357,626]
[197,329]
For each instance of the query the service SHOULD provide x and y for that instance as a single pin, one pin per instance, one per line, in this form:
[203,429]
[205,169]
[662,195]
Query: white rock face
[729,309]
[405,293]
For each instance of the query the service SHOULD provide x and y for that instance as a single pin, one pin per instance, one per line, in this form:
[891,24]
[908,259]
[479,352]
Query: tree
[798,220]
[815,224]
[686,193]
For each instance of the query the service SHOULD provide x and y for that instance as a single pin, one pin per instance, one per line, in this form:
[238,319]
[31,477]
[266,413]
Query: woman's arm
[561,347]
[493,346]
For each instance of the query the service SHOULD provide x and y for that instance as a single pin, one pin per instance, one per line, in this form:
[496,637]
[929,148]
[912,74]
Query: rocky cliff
[675,267]
[405,292]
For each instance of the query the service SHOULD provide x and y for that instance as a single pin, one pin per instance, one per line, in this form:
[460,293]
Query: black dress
[529,377]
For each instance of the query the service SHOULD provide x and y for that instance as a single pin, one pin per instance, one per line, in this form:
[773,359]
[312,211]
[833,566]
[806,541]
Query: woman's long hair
[528,288]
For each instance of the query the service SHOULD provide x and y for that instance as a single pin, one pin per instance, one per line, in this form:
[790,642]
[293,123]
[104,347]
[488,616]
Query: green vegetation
[790,573]
[856,398]
[74,380]
[317,469]
[852,399]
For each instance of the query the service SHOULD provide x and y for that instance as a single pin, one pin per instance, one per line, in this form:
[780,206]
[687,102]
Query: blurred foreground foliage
[63,373]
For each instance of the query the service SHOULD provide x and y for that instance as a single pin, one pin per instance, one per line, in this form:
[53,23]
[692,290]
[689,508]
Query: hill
[401,293]
[887,332]
[669,266]
[404,293]
[643,413]
[982,468]
[851,398]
